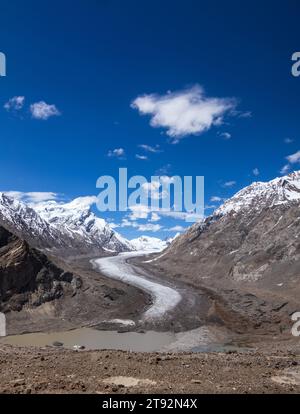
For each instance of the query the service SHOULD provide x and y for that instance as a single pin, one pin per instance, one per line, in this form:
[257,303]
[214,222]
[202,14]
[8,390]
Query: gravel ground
[49,370]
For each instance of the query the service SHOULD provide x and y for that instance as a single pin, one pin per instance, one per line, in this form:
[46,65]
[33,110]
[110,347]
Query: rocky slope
[28,278]
[70,228]
[251,245]
[39,293]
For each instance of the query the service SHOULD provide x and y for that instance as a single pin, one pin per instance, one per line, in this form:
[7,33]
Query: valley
[228,285]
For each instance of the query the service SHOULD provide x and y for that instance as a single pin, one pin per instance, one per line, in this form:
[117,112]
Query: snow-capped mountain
[77,220]
[149,243]
[69,227]
[254,236]
[25,223]
[283,190]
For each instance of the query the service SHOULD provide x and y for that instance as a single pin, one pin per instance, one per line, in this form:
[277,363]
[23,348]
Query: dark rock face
[28,277]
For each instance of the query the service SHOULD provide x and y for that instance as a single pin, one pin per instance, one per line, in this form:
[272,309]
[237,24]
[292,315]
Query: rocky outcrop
[28,277]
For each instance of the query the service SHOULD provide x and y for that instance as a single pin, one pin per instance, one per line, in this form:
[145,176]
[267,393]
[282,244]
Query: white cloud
[113,225]
[42,110]
[149,227]
[255,172]
[140,227]
[15,104]
[242,114]
[177,228]
[127,223]
[216,199]
[152,189]
[149,148]
[294,158]
[164,170]
[285,169]
[139,211]
[141,157]
[229,184]
[33,197]
[225,135]
[117,152]
[182,113]
[180,215]
[154,217]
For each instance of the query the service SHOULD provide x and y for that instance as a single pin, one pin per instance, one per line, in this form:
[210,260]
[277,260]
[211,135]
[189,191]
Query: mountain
[149,243]
[79,222]
[250,234]
[259,195]
[70,228]
[28,277]
[152,243]
[23,221]
[248,250]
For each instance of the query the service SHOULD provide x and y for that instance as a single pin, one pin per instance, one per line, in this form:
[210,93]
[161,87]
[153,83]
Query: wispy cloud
[153,190]
[285,169]
[15,104]
[149,227]
[294,158]
[229,184]
[256,172]
[155,217]
[242,114]
[186,112]
[164,170]
[288,140]
[117,153]
[177,228]
[141,157]
[225,135]
[216,199]
[42,110]
[34,197]
[140,227]
[149,148]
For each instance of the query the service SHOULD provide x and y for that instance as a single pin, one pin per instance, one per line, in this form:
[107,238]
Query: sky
[159,87]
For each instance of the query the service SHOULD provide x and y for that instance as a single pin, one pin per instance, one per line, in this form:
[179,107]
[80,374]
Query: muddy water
[93,339]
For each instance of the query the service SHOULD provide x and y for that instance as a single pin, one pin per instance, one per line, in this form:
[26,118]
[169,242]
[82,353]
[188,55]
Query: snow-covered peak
[75,213]
[51,224]
[258,195]
[23,221]
[76,217]
[149,243]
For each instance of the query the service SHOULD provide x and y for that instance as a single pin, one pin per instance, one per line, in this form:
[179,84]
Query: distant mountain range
[68,228]
[72,227]
[248,250]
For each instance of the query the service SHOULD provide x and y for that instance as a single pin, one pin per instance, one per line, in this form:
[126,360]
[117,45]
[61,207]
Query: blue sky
[80,66]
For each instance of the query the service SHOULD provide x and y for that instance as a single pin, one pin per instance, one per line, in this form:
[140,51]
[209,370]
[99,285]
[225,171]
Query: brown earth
[247,263]
[46,370]
[40,293]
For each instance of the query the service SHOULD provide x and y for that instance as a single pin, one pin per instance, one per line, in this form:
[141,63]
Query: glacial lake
[93,339]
